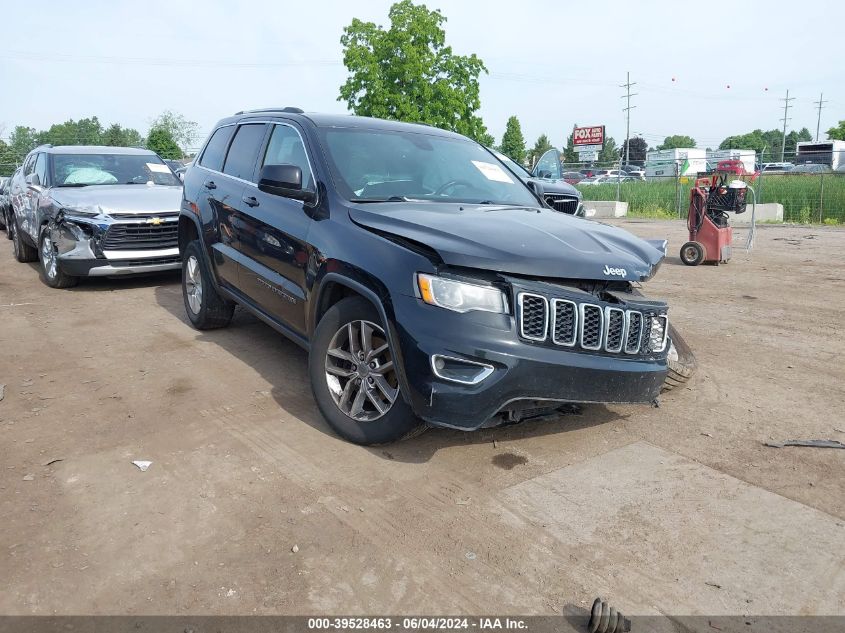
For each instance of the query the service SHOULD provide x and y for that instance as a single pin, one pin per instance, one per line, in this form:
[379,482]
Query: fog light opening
[465,372]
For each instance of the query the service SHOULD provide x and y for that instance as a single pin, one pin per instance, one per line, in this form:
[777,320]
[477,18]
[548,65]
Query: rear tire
[51,273]
[206,309]
[337,378]
[23,251]
[693,253]
[8,217]
[681,361]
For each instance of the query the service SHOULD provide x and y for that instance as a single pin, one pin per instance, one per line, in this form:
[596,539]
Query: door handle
[209,184]
[250,201]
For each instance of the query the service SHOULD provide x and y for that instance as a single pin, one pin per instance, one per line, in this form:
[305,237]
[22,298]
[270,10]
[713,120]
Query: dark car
[558,194]
[428,284]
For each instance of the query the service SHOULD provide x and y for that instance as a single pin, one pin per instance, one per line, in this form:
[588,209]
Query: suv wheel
[206,309]
[23,251]
[354,379]
[52,275]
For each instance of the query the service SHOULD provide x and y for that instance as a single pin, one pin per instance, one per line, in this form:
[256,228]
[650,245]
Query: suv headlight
[460,296]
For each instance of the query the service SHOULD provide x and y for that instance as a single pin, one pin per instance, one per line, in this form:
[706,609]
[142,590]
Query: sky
[708,71]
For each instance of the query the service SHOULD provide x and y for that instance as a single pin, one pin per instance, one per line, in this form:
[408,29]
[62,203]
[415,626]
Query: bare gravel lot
[679,509]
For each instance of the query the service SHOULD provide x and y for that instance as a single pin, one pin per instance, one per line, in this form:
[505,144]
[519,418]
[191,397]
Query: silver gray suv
[95,211]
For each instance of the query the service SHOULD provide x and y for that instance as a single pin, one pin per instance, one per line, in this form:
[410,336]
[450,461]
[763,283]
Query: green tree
[541,146]
[117,136]
[181,130]
[162,143]
[837,133]
[636,151]
[408,73]
[677,140]
[22,140]
[513,143]
[609,154]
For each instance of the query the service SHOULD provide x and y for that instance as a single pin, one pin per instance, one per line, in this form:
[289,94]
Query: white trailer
[830,153]
[668,163]
[748,157]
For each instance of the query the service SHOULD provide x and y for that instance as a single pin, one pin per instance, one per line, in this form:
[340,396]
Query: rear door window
[215,150]
[243,152]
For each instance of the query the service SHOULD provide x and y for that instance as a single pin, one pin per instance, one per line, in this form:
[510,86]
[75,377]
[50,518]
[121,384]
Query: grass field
[805,199]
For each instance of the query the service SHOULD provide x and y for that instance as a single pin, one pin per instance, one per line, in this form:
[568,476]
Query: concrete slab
[768,212]
[662,533]
[606,208]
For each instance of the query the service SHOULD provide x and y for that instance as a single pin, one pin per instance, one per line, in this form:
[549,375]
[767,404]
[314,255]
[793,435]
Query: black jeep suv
[428,283]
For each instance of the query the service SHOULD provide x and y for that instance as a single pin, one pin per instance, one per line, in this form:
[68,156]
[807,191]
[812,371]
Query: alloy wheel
[48,256]
[359,371]
[193,284]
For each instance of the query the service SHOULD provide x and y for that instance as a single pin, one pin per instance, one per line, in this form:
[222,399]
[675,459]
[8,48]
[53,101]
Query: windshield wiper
[73,184]
[390,199]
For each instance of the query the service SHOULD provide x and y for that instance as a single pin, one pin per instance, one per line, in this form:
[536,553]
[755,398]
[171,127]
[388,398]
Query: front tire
[23,251]
[51,274]
[681,361]
[206,309]
[354,379]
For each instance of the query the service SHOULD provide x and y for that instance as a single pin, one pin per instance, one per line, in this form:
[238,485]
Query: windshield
[518,169]
[79,170]
[376,165]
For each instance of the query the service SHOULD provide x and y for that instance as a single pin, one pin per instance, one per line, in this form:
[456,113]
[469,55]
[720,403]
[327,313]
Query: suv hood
[129,199]
[517,240]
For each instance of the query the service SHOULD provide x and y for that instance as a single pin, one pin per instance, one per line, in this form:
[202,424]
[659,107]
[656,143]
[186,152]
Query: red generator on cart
[710,234]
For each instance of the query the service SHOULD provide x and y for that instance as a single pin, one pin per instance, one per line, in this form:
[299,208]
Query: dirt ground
[679,509]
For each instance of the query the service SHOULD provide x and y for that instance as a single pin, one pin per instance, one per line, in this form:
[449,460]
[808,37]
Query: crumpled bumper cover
[521,371]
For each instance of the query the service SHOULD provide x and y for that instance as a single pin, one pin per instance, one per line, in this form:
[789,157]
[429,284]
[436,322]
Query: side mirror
[284,180]
[545,174]
[33,180]
[537,188]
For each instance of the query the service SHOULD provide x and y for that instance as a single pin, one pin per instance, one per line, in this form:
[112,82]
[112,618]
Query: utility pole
[785,118]
[819,103]
[627,96]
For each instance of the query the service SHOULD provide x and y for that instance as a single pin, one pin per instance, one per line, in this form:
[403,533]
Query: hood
[108,199]
[516,240]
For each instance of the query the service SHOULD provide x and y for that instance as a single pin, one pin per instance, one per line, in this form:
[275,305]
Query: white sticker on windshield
[158,168]
[492,171]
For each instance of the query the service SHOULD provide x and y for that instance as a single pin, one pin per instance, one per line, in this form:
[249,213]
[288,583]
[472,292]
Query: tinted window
[550,164]
[29,165]
[41,168]
[243,152]
[286,148]
[215,151]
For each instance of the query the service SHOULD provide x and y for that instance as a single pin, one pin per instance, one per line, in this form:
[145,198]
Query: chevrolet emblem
[154,221]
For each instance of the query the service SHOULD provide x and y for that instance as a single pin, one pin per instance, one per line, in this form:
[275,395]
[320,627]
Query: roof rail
[44,145]
[290,109]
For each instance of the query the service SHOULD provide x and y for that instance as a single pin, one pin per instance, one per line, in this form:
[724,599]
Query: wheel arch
[335,287]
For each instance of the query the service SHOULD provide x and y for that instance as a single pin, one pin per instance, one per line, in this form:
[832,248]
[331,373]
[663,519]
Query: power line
[785,118]
[819,103]
[627,110]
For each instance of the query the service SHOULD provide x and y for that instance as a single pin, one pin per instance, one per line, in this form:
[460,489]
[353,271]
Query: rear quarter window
[215,150]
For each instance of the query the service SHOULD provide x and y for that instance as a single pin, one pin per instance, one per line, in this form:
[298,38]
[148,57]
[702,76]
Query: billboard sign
[593,135]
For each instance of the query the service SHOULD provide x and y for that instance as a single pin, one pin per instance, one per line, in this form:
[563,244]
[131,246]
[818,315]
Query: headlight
[460,296]
[80,213]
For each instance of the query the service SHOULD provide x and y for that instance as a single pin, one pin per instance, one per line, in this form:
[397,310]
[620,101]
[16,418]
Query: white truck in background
[830,153]
[669,163]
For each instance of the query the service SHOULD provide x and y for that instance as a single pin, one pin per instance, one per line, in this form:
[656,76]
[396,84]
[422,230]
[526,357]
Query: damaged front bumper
[466,371]
[80,250]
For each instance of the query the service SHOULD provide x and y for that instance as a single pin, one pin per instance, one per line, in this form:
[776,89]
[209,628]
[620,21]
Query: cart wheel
[692,253]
